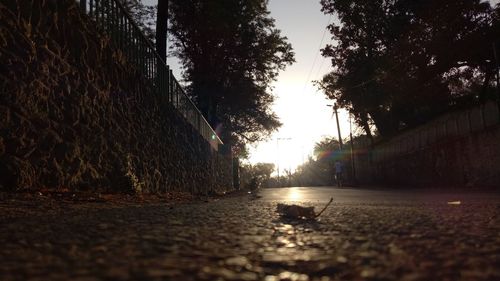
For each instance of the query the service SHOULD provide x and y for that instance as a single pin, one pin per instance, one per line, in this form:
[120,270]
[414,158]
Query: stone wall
[74,114]
[459,149]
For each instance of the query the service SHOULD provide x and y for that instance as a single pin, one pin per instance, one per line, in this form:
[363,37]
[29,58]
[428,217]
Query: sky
[300,106]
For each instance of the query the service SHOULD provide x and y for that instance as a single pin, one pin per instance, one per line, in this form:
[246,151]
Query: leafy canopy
[399,63]
[231,51]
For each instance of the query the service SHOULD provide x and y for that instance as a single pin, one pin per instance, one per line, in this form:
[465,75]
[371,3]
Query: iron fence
[114,20]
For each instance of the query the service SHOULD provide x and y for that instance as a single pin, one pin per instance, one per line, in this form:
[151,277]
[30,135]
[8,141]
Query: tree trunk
[161,29]
[366,127]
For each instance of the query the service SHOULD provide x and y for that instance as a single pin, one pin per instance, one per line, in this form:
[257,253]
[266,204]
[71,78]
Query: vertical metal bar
[112,20]
[91,8]
[142,61]
[103,14]
[106,16]
[497,67]
[136,55]
[497,64]
[150,71]
[161,77]
[114,17]
[167,77]
[125,38]
[83,5]
[199,121]
[97,11]
[126,45]
[120,29]
[171,90]
[146,63]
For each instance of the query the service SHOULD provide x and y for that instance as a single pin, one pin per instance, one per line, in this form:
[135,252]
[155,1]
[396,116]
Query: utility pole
[162,30]
[335,107]
[352,151]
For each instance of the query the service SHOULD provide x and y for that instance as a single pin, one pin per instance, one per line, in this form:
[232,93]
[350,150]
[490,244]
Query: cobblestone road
[363,235]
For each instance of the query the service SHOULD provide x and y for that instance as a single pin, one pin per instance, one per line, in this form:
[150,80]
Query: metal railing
[113,19]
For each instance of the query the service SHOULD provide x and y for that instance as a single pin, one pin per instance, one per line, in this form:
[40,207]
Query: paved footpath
[363,235]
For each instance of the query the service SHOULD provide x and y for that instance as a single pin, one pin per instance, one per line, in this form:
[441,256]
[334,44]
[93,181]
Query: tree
[326,147]
[143,15]
[162,29]
[257,175]
[397,62]
[231,52]
[318,170]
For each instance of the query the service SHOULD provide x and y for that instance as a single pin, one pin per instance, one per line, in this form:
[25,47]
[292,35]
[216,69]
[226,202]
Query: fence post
[166,82]
[171,87]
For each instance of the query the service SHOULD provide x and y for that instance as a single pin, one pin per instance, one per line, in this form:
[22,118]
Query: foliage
[325,146]
[257,175]
[143,15]
[399,63]
[319,169]
[231,52]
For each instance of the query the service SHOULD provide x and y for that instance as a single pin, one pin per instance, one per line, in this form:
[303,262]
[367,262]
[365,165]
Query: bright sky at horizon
[300,106]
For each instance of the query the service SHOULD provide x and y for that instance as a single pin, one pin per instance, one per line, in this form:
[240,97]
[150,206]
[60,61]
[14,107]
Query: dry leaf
[299,212]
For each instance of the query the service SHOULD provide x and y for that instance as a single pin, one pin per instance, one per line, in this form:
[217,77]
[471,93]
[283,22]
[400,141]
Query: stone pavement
[363,235]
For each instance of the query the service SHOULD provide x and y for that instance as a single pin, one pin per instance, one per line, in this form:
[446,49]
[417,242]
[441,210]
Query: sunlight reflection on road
[294,194]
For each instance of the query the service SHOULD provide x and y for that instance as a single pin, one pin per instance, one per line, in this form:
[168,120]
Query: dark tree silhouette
[400,63]
[143,15]
[161,29]
[231,52]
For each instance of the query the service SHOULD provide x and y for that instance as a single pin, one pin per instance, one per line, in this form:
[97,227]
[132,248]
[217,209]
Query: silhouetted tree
[143,15]
[256,175]
[162,29]
[399,63]
[231,52]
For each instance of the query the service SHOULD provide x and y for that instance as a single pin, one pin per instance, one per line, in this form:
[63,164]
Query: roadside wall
[456,150]
[74,114]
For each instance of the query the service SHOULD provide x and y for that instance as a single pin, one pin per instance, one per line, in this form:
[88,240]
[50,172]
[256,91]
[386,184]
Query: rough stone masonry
[75,115]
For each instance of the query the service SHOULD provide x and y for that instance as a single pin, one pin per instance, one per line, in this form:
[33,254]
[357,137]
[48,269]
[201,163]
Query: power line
[317,53]
[322,62]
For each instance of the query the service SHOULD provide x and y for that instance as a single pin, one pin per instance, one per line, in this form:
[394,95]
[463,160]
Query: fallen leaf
[299,212]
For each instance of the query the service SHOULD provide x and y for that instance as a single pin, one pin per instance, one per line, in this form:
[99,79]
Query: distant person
[338,172]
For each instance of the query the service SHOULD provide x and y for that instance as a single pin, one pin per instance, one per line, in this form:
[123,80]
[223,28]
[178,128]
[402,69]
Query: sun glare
[294,194]
[306,120]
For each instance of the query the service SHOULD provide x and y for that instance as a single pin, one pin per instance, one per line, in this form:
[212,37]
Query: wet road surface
[364,235]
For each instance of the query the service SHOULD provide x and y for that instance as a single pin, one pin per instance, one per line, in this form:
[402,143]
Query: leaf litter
[299,212]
